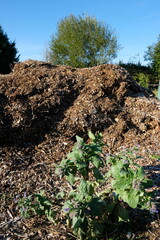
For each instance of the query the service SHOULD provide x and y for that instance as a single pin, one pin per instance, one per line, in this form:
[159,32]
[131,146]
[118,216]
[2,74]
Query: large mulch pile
[42,108]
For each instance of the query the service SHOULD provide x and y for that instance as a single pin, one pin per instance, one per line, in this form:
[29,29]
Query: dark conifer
[8,53]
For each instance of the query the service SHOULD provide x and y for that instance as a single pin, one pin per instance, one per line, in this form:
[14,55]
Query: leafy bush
[142,79]
[153,56]
[143,75]
[96,201]
[82,42]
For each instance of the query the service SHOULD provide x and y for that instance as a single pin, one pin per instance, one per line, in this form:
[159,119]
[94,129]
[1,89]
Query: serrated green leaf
[71,178]
[97,207]
[140,173]
[97,174]
[107,175]
[131,197]
[94,148]
[97,229]
[81,165]
[80,197]
[123,214]
[123,183]
[61,195]
[75,155]
[76,222]
[79,139]
[115,169]
[83,186]
[72,194]
[90,189]
[109,207]
[50,214]
[86,190]
[147,183]
[43,200]
[84,173]
[91,135]
[97,161]
[57,170]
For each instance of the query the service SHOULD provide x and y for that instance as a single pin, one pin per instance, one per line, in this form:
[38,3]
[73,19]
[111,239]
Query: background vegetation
[153,55]
[143,75]
[8,53]
[82,42]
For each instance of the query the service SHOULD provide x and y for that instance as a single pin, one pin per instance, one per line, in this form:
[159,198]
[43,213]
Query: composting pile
[42,109]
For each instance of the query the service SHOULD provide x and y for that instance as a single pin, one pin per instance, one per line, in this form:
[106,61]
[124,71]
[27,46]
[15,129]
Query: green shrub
[142,79]
[143,75]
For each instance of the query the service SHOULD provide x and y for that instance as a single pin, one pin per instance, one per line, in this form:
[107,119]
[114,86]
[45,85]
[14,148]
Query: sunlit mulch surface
[42,108]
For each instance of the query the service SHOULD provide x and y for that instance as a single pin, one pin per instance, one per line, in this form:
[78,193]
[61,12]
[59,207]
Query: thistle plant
[96,201]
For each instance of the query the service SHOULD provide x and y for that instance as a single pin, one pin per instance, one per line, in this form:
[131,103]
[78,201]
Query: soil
[42,109]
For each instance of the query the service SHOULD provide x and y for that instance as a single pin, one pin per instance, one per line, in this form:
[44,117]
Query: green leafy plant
[90,210]
[96,201]
[36,204]
[129,181]
[82,170]
[25,206]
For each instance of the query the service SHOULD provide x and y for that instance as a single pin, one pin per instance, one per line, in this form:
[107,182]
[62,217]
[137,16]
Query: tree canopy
[8,53]
[82,42]
[153,55]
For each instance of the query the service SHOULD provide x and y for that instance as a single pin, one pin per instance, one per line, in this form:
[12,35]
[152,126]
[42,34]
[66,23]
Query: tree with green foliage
[143,75]
[8,53]
[153,55]
[82,42]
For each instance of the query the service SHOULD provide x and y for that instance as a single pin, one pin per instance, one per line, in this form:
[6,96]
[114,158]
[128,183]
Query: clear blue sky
[32,22]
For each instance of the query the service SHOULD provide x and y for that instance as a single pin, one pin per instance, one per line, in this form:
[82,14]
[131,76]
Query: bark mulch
[42,108]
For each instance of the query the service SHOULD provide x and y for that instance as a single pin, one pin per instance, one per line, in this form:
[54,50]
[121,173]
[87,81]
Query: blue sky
[31,23]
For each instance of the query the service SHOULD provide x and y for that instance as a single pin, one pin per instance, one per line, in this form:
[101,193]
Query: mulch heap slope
[42,109]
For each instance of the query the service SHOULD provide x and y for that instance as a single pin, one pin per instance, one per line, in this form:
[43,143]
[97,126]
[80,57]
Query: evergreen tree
[8,53]
[82,42]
